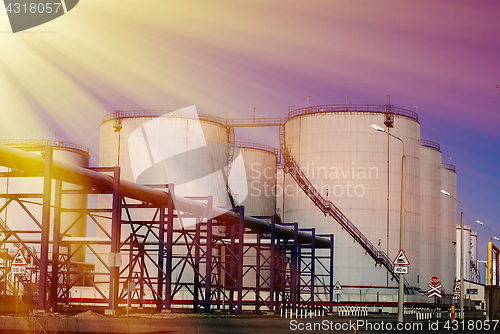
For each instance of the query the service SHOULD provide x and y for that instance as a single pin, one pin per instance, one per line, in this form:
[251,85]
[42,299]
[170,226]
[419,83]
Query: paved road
[205,324]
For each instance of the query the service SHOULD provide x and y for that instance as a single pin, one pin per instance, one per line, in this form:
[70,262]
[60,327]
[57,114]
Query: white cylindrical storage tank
[162,147]
[280,186]
[253,183]
[449,223]
[466,251]
[17,219]
[253,178]
[431,237]
[155,147]
[474,264]
[347,160]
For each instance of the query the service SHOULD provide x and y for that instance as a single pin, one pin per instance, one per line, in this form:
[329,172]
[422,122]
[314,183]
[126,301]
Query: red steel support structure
[151,246]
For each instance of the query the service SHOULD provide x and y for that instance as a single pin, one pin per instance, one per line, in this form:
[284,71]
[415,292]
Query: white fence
[300,312]
[357,311]
[423,313]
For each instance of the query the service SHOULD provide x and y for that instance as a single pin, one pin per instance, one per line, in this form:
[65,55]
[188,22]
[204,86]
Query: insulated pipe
[34,164]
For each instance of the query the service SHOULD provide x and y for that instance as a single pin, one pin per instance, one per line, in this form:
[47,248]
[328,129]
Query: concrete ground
[90,322]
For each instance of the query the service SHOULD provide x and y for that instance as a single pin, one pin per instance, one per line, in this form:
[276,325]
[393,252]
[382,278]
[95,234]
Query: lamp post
[461,253]
[401,221]
[489,262]
[491,232]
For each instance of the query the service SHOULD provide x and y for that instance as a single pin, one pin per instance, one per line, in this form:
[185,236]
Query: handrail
[62,145]
[263,121]
[449,166]
[120,114]
[244,122]
[327,207]
[430,143]
[328,108]
[268,148]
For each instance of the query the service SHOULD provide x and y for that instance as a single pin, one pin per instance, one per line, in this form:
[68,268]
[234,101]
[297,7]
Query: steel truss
[220,264]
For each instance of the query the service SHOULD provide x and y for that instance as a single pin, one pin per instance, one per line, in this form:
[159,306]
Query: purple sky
[233,56]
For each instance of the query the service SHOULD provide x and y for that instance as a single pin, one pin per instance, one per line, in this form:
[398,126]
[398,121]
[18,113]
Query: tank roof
[41,143]
[255,146]
[120,114]
[431,144]
[449,166]
[364,108]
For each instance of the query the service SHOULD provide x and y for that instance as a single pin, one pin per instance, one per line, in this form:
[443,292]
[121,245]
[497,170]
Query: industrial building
[199,219]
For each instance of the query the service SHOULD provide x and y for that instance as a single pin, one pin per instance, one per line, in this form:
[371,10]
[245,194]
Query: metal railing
[431,144]
[19,143]
[268,148]
[328,108]
[449,166]
[327,207]
[248,122]
[120,114]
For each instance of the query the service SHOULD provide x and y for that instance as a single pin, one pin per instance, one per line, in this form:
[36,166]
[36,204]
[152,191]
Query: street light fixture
[496,238]
[378,128]
[401,222]
[461,253]
[491,232]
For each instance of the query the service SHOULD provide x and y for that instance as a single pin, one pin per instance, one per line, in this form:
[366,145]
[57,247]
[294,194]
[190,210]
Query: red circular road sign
[434,280]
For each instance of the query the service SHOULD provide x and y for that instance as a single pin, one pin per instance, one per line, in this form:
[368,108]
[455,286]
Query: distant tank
[449,223]
[430,205]
[70,153]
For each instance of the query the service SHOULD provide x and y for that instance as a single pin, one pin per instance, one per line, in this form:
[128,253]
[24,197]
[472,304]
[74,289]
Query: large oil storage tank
[155,147]
[161,147]
[449,222]
[280,186]
[347,160]
[466,247]
[474,264]
[16,217]
[253,183]
[431,237]
[253,178]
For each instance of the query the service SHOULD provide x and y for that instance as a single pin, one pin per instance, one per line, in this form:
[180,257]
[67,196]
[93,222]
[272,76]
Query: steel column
[55,249]
[196,268]
[331,273]
[258,269]
[272,279]
[313,261]
[294,289]
[44,248]
[241,230]
[208,256]
[170,236]
[115,242]
[161,255]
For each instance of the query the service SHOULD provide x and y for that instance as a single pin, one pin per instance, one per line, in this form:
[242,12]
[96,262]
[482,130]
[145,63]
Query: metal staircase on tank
[328,208]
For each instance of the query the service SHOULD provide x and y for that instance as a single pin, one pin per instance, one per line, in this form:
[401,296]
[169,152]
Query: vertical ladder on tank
[327,207]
